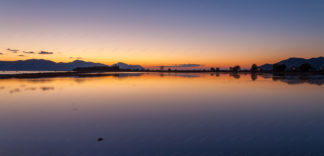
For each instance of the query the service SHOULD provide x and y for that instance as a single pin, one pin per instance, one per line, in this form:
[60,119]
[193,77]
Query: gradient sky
[163,32]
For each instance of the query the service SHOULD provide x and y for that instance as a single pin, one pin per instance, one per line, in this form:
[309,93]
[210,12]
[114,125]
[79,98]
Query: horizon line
[199,66]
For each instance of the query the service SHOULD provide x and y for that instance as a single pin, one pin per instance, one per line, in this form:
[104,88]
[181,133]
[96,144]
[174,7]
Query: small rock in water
[100,139]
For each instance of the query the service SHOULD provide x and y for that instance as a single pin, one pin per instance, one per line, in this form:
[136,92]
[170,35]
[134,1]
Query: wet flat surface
[163,114]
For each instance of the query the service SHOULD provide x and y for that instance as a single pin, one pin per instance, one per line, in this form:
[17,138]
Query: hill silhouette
[316,63]
[122,65]
[44,65]
[47,65]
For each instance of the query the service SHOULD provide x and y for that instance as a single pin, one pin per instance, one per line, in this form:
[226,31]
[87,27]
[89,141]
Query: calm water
[162,114]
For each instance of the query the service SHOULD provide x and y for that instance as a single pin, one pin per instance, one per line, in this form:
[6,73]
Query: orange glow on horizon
[148,63]
[158,58]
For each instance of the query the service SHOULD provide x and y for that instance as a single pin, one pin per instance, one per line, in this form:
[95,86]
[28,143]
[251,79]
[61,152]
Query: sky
[162,32]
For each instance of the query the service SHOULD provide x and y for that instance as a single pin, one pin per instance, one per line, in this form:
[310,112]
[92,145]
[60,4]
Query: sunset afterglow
[210,33]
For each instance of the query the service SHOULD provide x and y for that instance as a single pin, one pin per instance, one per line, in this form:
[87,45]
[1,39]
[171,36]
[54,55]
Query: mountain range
[46,65]
[127,66]
[316,63]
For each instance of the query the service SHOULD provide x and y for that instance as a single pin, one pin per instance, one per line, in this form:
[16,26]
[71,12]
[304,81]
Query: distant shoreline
[116,73]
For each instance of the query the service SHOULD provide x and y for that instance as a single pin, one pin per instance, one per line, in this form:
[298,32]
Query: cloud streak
[13,50]
[28,52]
[45,53]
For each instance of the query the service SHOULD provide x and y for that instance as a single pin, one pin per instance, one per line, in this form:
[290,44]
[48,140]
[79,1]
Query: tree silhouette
[306,67]
[279,67]
[212,69]
[235,69]
[254,68]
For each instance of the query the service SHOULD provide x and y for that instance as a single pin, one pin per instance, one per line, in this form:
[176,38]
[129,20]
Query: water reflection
[118,75]
[310,79]
[46,88]
[31,88]
[184,75]
[21,88]
[289,79]
[235,75]
[163,114]
[34,84]
[16,90]
[254,77]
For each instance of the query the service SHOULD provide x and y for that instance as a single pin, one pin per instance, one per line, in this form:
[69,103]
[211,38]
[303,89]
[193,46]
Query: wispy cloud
[28,52]
[189,65]
[21,55]
[13,50]
[45,53]
[78,58]
[1,53]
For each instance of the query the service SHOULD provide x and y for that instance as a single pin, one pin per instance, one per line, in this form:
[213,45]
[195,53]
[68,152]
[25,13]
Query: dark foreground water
[143,114]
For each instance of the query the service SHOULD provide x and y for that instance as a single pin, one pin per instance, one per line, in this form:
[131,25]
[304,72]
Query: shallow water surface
[163,114]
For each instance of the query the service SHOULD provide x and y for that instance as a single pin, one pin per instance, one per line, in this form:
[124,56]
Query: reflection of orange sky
[205,82]
[136,93]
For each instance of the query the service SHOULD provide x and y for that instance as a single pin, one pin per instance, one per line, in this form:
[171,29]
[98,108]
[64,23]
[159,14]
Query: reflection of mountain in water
[118,75]
[185,75]
[24,88]
[80,77]
[294,79]
[125,75]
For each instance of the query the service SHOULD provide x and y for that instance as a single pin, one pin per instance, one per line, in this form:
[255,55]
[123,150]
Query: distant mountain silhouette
[317,63]
[266,67]
[44,65]
[127,66]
